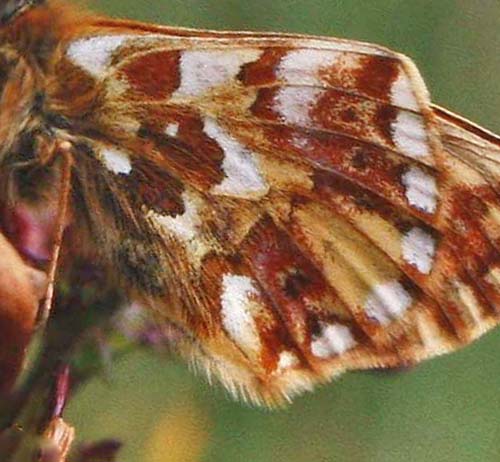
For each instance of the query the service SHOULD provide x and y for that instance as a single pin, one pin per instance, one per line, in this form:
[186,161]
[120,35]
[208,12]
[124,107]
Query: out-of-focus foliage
[445,410]
[181,434]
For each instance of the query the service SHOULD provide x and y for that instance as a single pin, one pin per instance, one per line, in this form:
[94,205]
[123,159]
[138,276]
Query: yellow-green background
[445,410]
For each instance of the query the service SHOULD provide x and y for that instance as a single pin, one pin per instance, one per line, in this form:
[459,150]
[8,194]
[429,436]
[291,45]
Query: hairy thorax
[17,99]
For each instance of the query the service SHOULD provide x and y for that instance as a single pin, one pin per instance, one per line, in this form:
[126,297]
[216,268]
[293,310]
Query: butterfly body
[295,206]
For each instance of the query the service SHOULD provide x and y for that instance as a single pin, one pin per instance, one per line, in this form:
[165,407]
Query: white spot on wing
[421,189]
[116,161]
[410,135]
[286,360]
[185,226]
[303,66]
[294,104]
[387,301]
[242,171]
[334,339]
[202,70]
[172,129]
[93,54]
[418,249]
[403,94]
[238,310]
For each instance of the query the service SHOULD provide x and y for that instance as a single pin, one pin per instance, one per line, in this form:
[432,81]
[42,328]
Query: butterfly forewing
[294,205]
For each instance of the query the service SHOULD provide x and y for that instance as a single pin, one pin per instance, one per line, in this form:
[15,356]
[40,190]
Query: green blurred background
[445,410]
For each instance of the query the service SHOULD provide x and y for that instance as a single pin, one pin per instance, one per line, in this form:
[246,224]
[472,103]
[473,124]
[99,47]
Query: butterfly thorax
[30,35]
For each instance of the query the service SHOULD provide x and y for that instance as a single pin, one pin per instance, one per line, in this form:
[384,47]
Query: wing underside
[295,205]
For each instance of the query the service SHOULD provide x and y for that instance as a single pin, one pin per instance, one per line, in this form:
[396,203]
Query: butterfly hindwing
[295,205]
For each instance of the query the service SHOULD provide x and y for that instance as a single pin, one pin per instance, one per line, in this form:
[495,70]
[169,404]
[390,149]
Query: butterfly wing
[294,205]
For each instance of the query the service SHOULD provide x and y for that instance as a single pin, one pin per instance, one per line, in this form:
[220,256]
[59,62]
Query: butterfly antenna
[64,148]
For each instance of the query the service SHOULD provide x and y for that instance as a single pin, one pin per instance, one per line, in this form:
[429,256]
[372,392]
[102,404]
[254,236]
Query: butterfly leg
[64,149]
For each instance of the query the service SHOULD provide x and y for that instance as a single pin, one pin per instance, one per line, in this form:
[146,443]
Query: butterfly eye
[10,9]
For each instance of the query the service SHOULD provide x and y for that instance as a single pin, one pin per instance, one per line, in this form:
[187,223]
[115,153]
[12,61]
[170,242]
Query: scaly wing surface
[294,204]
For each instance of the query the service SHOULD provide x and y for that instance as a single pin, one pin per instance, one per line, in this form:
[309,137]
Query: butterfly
[295,206]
